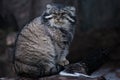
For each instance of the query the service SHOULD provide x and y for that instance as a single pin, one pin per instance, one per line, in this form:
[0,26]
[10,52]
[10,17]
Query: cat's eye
[63,13]
[54,13]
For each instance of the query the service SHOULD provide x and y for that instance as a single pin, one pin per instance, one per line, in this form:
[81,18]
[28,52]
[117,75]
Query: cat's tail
[26,70]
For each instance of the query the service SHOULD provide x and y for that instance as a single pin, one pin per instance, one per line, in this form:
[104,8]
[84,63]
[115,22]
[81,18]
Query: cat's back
[33,41]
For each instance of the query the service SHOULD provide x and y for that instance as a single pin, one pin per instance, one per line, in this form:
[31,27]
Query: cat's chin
[59,25]
[56,25]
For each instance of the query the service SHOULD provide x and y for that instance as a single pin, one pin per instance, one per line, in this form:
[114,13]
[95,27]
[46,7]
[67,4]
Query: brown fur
[41,49]
[34,47]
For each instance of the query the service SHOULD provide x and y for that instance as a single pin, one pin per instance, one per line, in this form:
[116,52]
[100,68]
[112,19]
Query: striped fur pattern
[42,45]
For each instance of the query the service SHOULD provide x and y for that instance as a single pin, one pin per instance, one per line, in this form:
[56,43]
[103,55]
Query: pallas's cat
[42,45]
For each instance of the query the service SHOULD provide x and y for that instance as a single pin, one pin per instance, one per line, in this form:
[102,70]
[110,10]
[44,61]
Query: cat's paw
[63,62]
[76,68]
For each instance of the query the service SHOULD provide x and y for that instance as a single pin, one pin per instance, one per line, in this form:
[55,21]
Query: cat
[42,45]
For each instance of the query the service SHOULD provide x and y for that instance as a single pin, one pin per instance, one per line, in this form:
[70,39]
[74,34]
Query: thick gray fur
[42,45]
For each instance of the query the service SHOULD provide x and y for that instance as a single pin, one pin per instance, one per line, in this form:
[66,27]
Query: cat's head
[59,15]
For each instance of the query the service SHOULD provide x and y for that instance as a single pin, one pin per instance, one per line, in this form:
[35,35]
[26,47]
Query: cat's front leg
[62,59]
[63,62]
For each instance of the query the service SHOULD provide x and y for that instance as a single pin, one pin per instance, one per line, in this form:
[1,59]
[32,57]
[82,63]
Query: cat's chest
[58,36]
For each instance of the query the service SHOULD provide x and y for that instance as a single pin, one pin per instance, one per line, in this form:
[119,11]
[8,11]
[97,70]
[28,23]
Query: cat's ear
[71,9]
[48,6]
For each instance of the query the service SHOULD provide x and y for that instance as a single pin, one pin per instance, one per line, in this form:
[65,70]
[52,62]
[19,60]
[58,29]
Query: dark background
[98,26]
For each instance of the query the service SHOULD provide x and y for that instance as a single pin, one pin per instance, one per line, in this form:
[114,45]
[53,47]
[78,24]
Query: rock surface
[111,71]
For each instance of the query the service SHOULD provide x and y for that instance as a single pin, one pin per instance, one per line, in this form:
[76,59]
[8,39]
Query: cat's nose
[58,19]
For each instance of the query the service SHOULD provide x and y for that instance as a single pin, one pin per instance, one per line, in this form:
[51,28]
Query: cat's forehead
[60,8]
[55,6]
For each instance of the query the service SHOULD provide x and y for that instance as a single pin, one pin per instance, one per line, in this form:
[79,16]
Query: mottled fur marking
[42,45]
